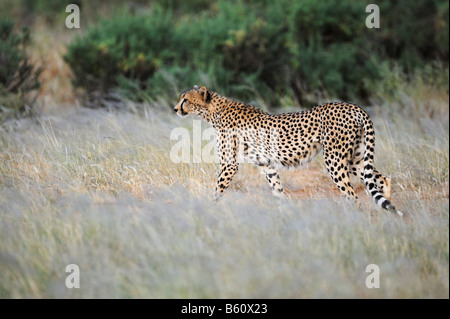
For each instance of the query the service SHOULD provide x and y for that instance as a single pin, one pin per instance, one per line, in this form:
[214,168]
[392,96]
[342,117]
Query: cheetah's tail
[369,180]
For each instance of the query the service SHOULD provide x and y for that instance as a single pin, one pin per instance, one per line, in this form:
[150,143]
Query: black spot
[271,175]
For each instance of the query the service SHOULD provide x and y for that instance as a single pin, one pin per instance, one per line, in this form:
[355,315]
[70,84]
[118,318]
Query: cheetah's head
[193,102]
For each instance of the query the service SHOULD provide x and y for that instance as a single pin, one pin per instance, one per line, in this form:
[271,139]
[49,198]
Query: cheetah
[343,131]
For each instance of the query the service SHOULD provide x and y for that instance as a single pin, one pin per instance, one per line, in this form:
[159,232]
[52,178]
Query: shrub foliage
[276,48]
[18,77]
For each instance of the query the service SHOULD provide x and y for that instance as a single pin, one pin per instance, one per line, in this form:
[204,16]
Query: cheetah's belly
[288,153]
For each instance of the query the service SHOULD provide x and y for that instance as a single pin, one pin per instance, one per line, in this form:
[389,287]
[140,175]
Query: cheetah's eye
[184,102]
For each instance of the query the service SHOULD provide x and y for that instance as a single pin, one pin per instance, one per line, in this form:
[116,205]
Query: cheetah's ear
[206,95]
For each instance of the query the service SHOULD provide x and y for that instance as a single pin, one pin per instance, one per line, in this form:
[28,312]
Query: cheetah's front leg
[227,171]
[228,162]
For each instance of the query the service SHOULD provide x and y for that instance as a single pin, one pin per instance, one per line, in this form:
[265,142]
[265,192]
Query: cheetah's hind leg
[273,178]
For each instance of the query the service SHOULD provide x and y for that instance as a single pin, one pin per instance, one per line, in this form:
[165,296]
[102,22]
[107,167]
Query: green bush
[330,51]
[144,56]
[18,77]
[275,49]
[413,32]
[132,48]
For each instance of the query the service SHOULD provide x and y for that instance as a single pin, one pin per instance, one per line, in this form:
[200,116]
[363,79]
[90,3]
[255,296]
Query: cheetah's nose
[175,110]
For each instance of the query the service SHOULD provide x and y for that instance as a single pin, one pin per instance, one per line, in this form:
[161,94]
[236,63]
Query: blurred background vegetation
[273,52]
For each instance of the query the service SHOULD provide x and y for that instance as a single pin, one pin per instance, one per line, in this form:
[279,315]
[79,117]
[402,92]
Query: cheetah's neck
[221,106]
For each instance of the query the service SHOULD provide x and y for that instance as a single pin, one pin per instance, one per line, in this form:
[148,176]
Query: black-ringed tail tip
[395,210]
